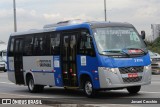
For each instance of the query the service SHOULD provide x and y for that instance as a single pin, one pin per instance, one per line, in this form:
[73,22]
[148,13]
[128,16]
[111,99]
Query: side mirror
[143,34]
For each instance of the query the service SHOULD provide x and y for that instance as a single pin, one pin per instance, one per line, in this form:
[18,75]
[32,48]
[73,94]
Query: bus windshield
[115,39]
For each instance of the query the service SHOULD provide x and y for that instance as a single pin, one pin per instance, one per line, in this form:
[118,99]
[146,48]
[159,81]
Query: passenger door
[68,59]
[18,60]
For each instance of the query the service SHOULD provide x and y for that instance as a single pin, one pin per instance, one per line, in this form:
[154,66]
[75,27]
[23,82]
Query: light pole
[105,11]
[14,12]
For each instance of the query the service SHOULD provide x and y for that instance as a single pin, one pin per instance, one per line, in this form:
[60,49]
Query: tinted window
[28,45]
[55,43]
[86,45]
[39,43]
[11,45]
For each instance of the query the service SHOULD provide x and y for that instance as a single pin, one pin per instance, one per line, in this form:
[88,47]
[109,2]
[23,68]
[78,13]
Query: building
[155,32]
[3,45]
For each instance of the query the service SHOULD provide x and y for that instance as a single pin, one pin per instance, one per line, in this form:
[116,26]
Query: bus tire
[134,89]
[32,87]
[88,88]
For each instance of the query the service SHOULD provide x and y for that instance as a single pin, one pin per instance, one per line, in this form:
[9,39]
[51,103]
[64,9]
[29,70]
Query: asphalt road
[59,95]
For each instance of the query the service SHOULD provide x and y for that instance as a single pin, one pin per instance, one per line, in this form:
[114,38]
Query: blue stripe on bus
[43,71]
[125,62]
[58,72]
[91,65]
[10,70]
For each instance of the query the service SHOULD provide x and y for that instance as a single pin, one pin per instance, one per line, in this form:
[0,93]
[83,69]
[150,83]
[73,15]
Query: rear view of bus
[92,56]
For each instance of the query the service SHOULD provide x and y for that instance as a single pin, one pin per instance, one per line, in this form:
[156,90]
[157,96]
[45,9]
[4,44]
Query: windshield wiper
[112,51]
[116,51]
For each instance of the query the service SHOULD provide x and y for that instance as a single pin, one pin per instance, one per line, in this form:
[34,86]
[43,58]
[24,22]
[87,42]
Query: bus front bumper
[113,78]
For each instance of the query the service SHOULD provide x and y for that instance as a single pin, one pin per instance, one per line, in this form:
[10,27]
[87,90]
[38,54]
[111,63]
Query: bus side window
[0,54]
[11,45]
[55,43]
[38,46]
[86,46]
[28,45]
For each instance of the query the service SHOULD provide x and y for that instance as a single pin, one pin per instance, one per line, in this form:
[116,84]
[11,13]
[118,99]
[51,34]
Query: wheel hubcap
[88,88]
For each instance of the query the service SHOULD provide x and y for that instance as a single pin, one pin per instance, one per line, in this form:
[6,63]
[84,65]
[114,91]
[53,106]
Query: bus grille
[129,80]
[126,70]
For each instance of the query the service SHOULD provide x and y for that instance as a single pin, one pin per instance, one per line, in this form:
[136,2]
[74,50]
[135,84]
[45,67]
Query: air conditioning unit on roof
[65,23]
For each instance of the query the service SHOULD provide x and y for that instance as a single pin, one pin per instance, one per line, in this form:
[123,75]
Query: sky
[34,14]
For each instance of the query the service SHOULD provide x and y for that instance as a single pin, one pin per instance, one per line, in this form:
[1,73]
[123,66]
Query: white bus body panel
[36,65]
[11,73]
[42,73]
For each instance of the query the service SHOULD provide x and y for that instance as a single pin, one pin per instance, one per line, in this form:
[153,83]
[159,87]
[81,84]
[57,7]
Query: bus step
[68,87]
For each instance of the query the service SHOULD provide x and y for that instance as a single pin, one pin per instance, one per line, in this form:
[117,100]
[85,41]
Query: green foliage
[154,46]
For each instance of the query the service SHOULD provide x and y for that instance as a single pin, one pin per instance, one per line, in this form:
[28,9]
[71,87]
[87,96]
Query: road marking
[149,92]
[139,92]
[30,96]
[6,83]
[155,82]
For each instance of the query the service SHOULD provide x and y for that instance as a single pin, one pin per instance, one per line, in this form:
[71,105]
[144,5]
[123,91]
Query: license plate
[133,75]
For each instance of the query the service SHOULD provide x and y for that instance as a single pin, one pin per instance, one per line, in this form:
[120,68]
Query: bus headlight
[113,70]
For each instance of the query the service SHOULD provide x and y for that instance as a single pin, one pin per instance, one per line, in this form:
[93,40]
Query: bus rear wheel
[88,89]
[134,89]
[32,87]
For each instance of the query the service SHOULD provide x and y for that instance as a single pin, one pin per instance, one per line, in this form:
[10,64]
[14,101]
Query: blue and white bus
[91,56]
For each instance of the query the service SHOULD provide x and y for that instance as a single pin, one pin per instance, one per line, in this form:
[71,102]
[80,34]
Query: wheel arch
[83,77]
[28,74]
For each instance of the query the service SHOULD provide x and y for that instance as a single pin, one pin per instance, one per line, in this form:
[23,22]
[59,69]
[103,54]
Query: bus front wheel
[88,88]
[32,87]
[134,89]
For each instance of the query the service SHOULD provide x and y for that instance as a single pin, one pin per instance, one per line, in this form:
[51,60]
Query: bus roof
[109,24]
[60,26]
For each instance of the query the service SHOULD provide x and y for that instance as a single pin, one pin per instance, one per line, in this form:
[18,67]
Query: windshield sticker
[83,60]
[56,62]
[114,32]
